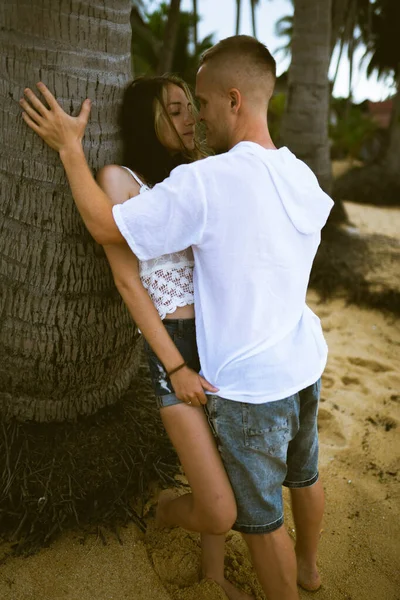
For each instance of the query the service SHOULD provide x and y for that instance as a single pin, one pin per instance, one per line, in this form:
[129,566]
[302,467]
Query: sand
[359,439]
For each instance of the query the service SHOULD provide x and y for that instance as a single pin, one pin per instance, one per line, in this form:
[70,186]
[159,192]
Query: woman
[157,121]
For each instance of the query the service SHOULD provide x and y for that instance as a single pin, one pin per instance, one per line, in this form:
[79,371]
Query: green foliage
[381,36]
[351,131]
[147,43]
[284,29]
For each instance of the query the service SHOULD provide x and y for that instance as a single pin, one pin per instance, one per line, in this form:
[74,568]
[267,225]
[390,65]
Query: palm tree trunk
[253,16]
[340,10]
[238,15]
[338,62]
[351,25]
[195,26]
[171,30]
[67,344]
[392,155]
[305,123]
[349,99]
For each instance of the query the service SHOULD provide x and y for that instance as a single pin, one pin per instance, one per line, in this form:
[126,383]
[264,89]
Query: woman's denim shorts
[265,446]
[183,333]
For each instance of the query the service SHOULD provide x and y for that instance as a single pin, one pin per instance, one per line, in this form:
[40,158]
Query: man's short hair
[243,47]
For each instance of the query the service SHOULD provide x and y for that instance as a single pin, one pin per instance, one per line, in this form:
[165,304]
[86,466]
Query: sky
[219,17]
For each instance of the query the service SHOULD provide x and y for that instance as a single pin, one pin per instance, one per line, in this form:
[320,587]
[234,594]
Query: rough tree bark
[305,123]
[67,344]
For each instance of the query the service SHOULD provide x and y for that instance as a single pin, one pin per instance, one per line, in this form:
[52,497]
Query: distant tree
[381,36]
[305,123]
[195,25]
[238,15]
[346,19]
[170,34]
[284,29]
[253,5]
[147,43]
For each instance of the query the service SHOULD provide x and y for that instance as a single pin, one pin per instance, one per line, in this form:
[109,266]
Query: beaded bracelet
[178,368]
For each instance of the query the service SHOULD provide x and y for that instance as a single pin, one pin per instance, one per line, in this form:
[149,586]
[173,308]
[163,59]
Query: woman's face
[179,110]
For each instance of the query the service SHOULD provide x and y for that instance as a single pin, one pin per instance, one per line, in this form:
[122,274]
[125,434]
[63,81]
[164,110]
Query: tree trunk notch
[67,343]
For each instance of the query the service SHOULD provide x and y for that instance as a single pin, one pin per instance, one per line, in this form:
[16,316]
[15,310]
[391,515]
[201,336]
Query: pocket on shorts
[265,430]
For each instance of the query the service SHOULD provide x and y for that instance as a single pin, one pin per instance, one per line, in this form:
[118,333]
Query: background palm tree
[305,123]
[195,25]
[253,5]
[238,16]
[170,34]
[381,34]
[347,18]
[147,43]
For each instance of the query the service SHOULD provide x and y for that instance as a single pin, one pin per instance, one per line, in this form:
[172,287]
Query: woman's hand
[59,130]
[189,387]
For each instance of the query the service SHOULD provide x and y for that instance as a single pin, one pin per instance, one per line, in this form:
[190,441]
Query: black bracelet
[169,373]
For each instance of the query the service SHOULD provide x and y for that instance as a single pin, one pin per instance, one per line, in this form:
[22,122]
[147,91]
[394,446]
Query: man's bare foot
[165,497]
[308,577]
[231,591]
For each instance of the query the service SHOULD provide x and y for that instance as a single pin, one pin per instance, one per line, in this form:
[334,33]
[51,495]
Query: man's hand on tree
[59,130]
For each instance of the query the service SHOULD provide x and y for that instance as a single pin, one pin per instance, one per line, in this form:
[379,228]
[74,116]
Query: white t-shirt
[253,218]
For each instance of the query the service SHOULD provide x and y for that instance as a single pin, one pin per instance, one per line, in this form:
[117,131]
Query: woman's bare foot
[308,577]
[231,591]
[165,497]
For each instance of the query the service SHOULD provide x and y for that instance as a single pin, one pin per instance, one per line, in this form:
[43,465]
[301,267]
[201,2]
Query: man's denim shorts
[183,332]
[265,446]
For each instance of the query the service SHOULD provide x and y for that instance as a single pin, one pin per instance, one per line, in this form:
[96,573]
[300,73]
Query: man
[253,216]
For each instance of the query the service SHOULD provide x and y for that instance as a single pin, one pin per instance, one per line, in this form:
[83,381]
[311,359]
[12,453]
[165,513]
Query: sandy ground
[372,219]
[359,437]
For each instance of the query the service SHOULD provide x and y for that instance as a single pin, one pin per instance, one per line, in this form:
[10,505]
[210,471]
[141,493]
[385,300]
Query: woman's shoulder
[112,174]
[117,182]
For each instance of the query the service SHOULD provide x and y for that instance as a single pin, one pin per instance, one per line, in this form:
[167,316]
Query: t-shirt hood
[306,204]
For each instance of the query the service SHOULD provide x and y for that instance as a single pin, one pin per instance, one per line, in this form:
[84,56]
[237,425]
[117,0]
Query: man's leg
[307,509]
[253,440]
[274,560]
[307,495]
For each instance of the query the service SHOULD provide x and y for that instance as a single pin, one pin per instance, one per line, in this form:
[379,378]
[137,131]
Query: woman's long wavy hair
[142,106]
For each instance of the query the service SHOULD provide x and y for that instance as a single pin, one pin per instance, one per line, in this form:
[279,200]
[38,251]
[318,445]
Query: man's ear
[235,98]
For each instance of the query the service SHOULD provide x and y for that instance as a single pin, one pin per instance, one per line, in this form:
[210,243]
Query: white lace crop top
[168,279]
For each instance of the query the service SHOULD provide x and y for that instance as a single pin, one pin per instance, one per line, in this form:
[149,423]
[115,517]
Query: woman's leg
[211,506]
[212,565]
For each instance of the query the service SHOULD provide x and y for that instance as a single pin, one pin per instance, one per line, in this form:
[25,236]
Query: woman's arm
[188,385]
[124,266]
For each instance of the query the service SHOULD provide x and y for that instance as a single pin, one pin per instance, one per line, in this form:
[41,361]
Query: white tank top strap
[135,177]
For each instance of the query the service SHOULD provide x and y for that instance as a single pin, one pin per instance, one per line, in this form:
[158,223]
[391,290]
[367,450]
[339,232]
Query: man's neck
[256,132]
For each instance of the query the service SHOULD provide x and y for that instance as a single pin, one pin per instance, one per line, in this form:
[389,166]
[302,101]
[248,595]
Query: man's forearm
[92,203]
